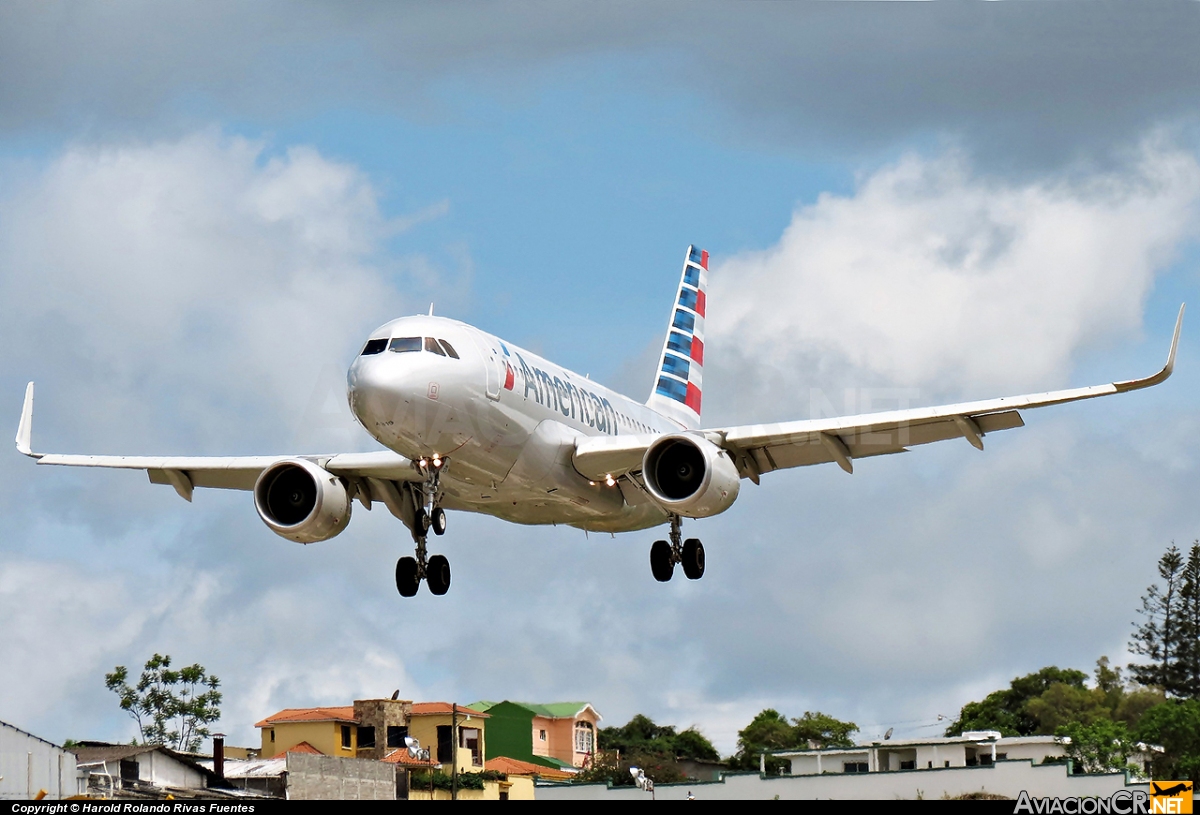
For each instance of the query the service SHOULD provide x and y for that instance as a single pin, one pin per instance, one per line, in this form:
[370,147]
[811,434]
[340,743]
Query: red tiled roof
[402,758]
[310,714]
[443,708]
[306,748]
[512,766]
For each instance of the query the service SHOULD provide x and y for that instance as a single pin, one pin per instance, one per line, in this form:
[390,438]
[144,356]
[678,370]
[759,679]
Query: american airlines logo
[566,397]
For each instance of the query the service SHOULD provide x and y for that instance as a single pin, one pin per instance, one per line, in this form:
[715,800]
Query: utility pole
[454,751]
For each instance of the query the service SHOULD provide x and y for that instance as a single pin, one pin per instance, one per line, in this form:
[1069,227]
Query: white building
[29,764]
[971,749]
[113,767]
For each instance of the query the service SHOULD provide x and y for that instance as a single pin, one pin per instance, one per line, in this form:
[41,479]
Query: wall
[49,767]
[424,729]
[325,736]
[380,713]
[326,778]
[509,732]
[1006,778]
[160,769]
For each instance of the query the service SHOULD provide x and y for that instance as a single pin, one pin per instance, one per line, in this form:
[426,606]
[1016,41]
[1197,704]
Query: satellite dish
[414,747]
[396,694]
[888,734]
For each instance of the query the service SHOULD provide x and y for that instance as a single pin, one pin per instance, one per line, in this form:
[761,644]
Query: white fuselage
[504,419]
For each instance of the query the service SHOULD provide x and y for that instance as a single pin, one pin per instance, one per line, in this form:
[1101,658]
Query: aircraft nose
[371,392]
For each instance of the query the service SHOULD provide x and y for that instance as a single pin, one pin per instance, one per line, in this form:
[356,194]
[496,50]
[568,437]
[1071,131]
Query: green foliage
[643,736]
[1169,634]
[654,748]
[770,730]
[1175,726]
[612,767]
[171,707]
[1005,710]
[445,781]
[1064,704]
[1099,747]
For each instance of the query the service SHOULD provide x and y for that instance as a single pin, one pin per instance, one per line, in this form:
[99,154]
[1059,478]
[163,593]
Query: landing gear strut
[689,553]
[435,569]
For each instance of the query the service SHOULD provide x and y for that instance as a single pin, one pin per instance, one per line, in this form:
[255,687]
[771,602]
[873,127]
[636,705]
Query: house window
[584,737]
[396,735]
[469,738]
[346,742]
[366,737]
[272,735]
[908,765]
[854,766]
[541,735]
[1001,756]
[445,744]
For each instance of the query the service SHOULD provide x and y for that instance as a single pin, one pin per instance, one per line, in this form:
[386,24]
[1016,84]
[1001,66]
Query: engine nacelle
[302,502]
[690,476]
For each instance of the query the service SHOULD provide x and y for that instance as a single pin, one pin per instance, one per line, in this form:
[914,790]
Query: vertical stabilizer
[679,380]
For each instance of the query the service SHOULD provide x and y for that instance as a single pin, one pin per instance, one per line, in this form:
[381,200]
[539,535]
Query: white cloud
[204,278]
[933,277]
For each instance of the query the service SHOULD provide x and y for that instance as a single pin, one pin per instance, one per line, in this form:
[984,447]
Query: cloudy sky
[205,207]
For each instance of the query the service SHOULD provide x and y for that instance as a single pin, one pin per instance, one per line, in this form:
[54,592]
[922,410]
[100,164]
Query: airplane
[473,423]
[1170,792]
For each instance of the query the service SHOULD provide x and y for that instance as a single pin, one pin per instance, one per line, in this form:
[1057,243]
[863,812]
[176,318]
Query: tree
[1099,747]
[820,731]
[1064,704]
[770,730]
[1157,637]
[652,747]
[172,708]
[1187,628]
[1005,710]
[1175,726]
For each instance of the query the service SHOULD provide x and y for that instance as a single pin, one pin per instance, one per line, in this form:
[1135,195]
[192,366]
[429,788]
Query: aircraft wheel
[407,581]
[437,521]
[421,521]
[660,561]
[437,574]
[693,559]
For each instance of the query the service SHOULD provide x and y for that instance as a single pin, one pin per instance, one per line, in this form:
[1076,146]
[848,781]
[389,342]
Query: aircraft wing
[221,472]
[762,448]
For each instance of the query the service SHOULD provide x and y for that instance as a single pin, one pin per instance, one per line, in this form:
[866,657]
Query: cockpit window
[374,347]
[449,348]
[402,344]
[432,345]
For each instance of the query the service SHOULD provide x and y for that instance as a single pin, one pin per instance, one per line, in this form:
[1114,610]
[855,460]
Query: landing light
[437,461]
[609,480]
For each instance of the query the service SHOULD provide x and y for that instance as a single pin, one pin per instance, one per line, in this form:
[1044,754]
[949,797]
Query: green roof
[554,710]
[482,706]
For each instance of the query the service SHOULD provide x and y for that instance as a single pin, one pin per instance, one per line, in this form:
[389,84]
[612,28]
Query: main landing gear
[689,553]
[435,569]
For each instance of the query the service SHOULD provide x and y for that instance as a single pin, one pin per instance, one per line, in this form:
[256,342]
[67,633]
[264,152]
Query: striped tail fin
[679,381]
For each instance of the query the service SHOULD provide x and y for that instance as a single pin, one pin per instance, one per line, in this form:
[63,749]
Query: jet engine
[302,502]
[690,476]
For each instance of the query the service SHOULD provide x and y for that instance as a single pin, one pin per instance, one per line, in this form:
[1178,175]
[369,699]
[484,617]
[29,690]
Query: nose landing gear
[689,553]
[435,569]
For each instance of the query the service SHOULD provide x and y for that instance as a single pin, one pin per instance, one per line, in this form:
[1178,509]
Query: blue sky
[205,208]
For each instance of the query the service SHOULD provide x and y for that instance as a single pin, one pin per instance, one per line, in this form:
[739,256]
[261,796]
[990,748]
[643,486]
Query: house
[972,749]
[29,764]
[376,728]
[110,768]
[559,734]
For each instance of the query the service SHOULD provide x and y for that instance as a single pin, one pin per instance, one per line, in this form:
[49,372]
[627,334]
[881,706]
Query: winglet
[1161,376]
[25,428]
